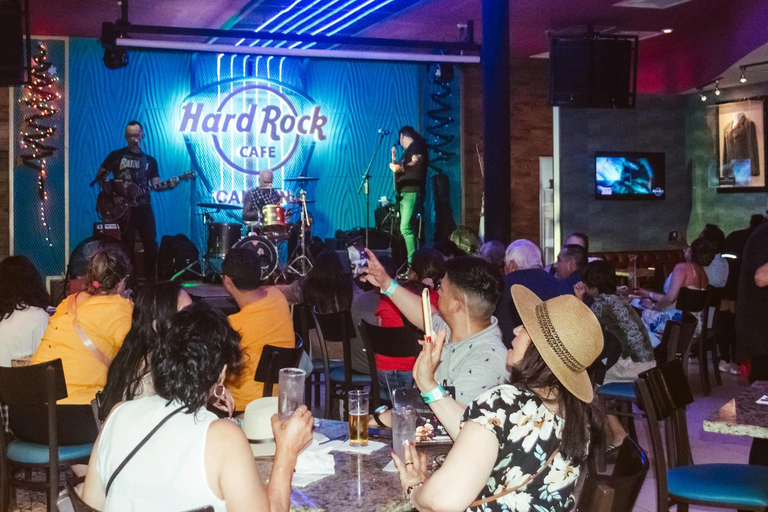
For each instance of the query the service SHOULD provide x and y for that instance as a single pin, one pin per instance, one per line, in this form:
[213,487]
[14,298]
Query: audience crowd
[502,322]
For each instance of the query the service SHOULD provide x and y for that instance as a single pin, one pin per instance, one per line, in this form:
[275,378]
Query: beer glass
[358,417]
[291,391]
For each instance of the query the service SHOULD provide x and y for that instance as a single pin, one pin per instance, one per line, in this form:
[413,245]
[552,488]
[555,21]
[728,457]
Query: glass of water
[403,429]
[291,391]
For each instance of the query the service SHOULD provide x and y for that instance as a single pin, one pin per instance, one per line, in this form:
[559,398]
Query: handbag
[98,354]
[516,488]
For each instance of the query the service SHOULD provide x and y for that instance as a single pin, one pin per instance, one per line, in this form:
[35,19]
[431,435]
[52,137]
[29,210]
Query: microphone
[382,131]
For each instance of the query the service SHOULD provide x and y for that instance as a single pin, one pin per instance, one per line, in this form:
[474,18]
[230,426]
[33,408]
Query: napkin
[314,463]
[390,468]
[344,446]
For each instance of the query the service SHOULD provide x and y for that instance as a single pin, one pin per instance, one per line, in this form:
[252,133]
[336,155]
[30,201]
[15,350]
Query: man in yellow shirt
[264,319]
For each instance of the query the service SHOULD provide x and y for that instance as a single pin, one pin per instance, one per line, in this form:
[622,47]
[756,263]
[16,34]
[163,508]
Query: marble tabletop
[742,416]
[359,482]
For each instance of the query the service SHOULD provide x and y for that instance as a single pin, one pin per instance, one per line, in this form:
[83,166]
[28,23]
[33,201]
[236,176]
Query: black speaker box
[593,71]
[11,43]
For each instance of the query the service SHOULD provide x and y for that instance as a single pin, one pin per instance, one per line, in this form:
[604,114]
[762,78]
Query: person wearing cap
[521,444]
[168,452]
[473,359]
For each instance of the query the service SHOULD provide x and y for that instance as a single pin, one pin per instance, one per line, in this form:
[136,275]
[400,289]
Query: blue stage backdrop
[38,223]
[230,116]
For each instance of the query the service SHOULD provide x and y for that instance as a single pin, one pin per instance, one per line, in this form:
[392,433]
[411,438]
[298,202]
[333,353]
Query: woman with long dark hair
[23,318]
[129,375]
[521,444]
[328,285]
[191,459]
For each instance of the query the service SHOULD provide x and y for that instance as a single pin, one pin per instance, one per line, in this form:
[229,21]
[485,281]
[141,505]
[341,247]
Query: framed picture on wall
[740,146]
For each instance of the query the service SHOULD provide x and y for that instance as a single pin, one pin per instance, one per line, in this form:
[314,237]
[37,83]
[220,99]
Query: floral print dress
[528,433]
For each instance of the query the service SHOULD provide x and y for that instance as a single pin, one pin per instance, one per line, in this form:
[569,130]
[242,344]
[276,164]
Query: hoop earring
[218,391]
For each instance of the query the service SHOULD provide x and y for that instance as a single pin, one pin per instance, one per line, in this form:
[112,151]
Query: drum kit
[265,234]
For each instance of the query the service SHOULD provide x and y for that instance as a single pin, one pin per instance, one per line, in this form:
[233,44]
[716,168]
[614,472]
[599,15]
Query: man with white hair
[523,265]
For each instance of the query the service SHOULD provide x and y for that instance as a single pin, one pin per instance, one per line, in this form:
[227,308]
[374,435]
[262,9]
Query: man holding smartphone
[465,351]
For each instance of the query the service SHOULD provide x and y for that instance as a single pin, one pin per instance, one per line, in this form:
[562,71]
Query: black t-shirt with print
[414,177]
[125,165]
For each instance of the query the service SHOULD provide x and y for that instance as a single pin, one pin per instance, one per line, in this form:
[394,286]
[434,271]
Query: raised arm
[408,303]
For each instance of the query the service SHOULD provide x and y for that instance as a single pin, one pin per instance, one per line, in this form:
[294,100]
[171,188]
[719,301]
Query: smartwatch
[376,414]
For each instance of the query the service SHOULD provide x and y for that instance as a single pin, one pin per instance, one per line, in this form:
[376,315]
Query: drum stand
[202,260]
[301,264]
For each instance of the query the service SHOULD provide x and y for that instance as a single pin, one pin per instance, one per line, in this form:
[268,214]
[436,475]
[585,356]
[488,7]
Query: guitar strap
[143,168]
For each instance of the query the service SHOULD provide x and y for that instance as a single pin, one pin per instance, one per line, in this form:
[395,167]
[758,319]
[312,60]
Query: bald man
[256,198]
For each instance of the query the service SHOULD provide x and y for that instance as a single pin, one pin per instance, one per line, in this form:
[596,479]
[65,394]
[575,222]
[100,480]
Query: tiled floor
[706,447]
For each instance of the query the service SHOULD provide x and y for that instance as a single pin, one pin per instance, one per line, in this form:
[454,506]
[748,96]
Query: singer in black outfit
[131,165]
[410,182]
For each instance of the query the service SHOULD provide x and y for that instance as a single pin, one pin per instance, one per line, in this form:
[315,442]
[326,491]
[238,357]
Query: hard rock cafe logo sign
[252,124]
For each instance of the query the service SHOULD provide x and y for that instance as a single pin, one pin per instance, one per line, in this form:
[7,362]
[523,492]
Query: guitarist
[131,165]
[410,181]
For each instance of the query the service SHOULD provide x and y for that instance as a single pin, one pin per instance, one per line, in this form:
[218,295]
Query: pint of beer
[358,417]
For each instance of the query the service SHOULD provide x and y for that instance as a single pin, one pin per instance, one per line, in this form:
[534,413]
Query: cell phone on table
[426,309]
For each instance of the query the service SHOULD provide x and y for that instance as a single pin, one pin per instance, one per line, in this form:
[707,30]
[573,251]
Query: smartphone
[358,259]
[426,308]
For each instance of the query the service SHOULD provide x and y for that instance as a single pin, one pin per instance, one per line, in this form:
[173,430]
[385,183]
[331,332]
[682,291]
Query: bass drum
[265,249]
[222,236]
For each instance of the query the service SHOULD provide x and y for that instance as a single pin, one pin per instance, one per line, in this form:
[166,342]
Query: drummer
[257,198]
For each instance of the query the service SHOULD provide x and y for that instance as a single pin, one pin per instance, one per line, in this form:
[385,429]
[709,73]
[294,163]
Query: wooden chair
[618,491]
[386,341]
[80,506]
[338,328]
[707,343]
[664,394]
[273,359]
[675,342]
[31,393]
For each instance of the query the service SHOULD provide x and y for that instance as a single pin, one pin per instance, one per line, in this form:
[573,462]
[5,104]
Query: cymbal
[302,178]
[220,206]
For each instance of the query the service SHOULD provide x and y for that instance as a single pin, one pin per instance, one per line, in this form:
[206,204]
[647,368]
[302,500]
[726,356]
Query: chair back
[80,506]
[709,317]
[336,328]
[35,387]
[664,394]
[386,341]
[302,322]
[676,339]
[691,300]
[616,492]
[273,359]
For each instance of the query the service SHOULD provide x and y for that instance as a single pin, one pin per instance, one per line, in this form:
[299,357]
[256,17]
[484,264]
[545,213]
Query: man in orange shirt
[264,319]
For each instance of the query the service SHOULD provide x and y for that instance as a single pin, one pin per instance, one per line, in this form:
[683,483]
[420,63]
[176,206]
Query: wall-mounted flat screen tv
[629,175]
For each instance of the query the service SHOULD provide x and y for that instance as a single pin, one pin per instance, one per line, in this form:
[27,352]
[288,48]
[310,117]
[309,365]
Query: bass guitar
[117,196]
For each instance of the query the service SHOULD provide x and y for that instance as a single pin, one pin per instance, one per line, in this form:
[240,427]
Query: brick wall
[531,121]
[4,144]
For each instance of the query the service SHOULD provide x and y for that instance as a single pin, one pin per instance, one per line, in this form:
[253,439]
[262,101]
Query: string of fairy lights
[39,99]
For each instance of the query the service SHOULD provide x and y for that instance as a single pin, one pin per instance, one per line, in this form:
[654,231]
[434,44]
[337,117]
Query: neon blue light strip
[342,17]
[273,18]
[339,29]
[317,22]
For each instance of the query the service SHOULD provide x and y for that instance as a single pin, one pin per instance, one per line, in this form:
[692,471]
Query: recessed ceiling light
[667,30]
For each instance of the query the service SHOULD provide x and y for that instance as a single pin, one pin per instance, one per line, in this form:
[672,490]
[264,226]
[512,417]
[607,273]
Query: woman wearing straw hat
[521,444]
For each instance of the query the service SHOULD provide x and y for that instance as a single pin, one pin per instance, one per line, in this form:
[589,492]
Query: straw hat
[257,425]
[566,334]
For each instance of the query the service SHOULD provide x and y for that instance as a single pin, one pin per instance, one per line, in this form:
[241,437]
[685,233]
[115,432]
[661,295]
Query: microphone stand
[364,185]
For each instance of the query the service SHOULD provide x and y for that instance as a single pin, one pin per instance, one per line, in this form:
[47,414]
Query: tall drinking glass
[632,273]
[358,417]
[291,391]
[403,429]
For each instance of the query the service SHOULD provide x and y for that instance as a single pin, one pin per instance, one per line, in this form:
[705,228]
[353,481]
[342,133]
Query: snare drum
[266,250]
[273,219]
[221,237]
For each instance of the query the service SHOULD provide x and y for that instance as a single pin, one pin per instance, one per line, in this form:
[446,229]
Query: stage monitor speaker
[12,22]
[593,71]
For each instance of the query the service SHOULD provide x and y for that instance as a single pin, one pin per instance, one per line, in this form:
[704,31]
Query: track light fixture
[717,87]
[703,96]
[743,78]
